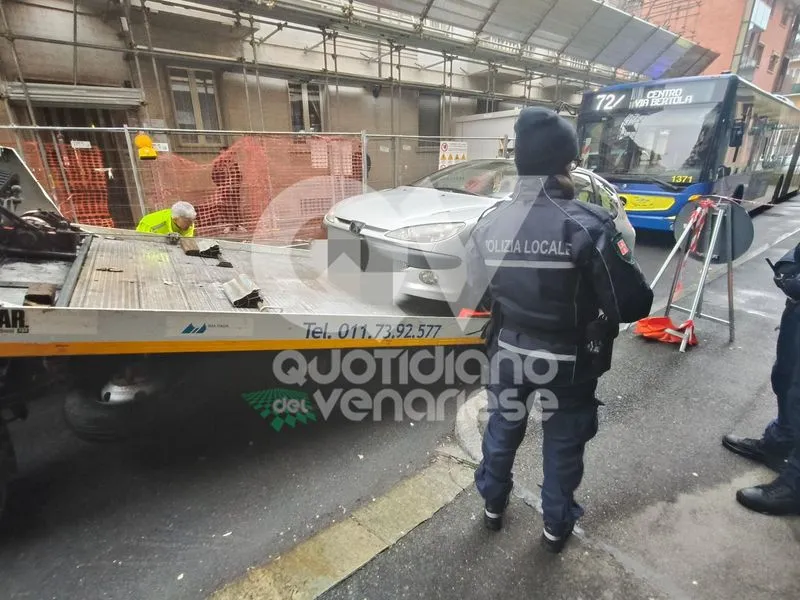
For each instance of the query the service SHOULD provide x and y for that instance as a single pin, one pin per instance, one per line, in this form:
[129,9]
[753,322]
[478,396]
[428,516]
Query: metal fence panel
[402,160]
[266,187]
[274,186]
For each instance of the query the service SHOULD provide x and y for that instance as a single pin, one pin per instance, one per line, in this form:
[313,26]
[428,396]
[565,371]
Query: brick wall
[774,40]
[715,25]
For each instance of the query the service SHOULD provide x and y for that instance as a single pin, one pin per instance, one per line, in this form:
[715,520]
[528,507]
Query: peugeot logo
[356,227]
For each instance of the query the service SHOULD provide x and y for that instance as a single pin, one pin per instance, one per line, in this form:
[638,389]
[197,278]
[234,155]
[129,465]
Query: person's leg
[779,437]
[504,433]
[782,496]
[773,447]
[505,430]
[566,430]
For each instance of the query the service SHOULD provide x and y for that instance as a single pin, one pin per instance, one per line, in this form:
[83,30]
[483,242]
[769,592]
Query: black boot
[555,543]
[774,498]
[755,450]
[493,515]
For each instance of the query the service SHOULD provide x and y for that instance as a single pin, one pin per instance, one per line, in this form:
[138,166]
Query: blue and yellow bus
[666,142]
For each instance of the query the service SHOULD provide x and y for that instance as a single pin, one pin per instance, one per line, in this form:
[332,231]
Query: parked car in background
[423,227]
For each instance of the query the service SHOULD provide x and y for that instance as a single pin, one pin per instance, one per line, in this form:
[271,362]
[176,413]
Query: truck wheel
[95,421]
[8,464]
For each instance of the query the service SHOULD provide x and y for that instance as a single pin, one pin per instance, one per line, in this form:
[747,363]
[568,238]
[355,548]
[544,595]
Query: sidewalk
[662,520]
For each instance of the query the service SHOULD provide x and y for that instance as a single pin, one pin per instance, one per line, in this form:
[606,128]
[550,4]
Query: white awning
[80,96]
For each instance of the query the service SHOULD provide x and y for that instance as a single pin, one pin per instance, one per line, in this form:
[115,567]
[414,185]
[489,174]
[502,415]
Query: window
[773,62]
[430,119]
[583,188]
[194,99]
[608,198]
[762,11]
[488,178]
[305,106]
[758,54]
[786,16]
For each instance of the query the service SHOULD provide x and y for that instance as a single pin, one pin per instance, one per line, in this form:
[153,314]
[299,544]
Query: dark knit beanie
[545,142]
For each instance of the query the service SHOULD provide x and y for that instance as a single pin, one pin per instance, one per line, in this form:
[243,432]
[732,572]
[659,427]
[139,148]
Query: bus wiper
[641,178]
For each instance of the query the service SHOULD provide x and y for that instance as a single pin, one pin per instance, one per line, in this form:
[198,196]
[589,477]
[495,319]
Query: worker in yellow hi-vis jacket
[178,219]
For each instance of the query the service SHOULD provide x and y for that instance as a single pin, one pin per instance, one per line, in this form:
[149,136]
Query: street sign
[742,229]
[451,153]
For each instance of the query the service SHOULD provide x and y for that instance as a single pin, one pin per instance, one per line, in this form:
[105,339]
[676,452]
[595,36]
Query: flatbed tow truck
[117,321]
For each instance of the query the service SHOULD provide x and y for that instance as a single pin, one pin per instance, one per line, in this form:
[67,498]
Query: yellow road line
[29,349]
[319,563]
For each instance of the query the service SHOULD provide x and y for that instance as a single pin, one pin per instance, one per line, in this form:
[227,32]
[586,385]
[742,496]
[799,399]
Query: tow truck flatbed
[133,293]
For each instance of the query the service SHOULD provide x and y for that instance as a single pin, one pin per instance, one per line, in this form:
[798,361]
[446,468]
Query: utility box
[495,125]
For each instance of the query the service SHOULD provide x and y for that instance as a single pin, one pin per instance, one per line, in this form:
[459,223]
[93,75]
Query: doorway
[112,146]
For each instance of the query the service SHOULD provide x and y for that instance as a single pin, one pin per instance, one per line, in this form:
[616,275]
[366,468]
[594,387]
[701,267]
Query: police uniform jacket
[546,265]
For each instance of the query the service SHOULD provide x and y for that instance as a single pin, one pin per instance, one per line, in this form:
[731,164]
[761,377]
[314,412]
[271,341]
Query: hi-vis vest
[161,222]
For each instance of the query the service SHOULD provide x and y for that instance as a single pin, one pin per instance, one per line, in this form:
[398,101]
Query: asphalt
[192,505]
[659,489]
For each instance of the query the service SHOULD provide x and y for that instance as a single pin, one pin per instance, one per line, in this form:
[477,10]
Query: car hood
[405,206]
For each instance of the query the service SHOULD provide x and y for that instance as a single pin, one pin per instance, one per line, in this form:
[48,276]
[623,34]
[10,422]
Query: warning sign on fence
[451,153]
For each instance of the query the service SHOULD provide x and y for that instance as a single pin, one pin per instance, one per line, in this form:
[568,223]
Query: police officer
[545,265]
[779,445]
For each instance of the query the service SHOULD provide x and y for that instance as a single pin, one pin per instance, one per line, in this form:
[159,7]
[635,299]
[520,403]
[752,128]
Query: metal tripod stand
[716,211]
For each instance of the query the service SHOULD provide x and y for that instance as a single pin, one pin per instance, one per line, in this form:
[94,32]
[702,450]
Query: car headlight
[329,218]
[427,234]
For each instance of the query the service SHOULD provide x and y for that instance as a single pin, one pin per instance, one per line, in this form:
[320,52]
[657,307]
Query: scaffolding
[574,44]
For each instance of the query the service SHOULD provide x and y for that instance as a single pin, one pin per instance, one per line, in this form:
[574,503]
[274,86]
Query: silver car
[420,230]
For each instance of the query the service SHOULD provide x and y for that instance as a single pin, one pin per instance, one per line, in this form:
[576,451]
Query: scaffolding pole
[126,28]
[156,76]
[336,72]
[327,112]
[75,42]
[254,48]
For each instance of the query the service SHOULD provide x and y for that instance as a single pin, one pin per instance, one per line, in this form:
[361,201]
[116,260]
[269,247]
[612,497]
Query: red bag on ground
[663,329]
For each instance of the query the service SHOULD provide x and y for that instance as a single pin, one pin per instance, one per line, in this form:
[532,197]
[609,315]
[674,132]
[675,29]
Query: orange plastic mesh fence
[265,187]
[81,181]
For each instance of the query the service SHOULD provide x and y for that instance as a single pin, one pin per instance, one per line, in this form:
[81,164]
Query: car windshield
[490,178]
[664,145]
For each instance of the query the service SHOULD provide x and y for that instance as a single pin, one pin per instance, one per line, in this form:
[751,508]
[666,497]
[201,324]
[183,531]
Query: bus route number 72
[609,101]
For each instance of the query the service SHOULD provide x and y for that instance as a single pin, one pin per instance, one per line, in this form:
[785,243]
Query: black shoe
[555,543]
[774,498]
[493,515]
[754,450]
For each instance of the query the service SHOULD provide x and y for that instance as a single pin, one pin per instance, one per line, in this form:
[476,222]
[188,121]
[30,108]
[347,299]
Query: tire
[95,421]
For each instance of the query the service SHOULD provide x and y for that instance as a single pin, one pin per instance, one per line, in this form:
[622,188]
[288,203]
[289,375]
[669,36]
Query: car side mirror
[623,200]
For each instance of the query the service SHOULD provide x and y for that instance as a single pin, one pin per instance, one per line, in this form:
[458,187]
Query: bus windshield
[667,145]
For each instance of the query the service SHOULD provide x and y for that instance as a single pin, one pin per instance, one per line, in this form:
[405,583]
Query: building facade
[754,38]
[229,83]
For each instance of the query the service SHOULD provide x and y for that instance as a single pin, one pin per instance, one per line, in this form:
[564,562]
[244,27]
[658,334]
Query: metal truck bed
[130,293]
[135,272]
